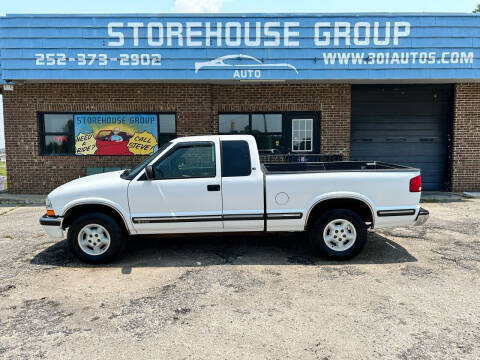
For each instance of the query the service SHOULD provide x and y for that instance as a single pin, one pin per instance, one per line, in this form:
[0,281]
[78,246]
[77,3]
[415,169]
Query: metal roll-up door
[404,124]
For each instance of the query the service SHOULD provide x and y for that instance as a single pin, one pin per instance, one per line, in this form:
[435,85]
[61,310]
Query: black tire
[318,228]
[115,231]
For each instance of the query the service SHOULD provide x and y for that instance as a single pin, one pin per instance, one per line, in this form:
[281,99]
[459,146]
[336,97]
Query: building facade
[90,93]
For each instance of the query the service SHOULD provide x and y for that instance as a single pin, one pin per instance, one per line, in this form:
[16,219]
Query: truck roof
[213,137]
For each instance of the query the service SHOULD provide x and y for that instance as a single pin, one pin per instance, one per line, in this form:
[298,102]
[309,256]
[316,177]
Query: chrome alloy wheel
[339,235]
[94,239]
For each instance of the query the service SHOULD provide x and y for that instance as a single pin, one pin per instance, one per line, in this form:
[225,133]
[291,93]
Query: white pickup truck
[217,184]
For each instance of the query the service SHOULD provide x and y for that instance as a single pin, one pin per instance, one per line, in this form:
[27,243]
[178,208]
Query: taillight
[416,184]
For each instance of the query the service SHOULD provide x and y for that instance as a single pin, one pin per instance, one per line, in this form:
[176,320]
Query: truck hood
[108,188]
[90,180]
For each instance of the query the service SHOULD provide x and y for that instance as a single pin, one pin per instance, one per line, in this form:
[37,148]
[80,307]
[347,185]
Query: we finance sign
[231,47]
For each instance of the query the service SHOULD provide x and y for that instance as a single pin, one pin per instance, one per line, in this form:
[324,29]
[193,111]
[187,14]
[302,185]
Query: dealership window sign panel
[115,134]
[233,47]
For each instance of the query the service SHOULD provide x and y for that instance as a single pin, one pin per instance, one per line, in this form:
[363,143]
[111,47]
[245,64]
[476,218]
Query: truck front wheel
[95,238]
[340,234]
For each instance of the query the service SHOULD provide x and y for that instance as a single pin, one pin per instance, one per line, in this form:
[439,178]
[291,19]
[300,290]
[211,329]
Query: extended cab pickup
[217,184]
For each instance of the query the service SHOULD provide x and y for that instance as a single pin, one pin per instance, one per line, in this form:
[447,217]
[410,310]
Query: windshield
[130,174]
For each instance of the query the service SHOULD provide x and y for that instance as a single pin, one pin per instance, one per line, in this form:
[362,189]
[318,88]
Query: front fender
[101,201]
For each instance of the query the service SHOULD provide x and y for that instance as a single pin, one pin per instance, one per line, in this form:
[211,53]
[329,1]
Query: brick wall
[466,138]
[196,106]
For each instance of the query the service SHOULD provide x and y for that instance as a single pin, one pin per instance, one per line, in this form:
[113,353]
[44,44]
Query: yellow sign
[142,143]
[85,144]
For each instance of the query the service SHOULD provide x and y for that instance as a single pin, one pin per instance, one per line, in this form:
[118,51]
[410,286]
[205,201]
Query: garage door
[404,124]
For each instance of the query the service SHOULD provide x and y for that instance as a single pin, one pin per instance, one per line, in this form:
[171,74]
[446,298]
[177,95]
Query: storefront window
[234,124]
[105,134]
[267,123]
[168,128]
[57,134]
[269,144]
[266,128]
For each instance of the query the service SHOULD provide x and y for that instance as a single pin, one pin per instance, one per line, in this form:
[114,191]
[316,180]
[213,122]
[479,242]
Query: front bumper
[52,226]
[422,217]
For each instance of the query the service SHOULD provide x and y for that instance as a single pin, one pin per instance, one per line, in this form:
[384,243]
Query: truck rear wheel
[96,238]
[340,234]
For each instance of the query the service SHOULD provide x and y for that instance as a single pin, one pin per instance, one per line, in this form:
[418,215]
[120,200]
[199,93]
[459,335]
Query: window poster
[115,134]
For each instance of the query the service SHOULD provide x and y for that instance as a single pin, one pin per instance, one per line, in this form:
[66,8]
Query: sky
[238,6]
[227,6]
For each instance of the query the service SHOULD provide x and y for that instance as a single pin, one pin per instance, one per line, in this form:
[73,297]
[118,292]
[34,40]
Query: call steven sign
[234,47]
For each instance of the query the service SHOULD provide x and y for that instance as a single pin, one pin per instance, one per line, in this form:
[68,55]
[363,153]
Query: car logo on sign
[230,61]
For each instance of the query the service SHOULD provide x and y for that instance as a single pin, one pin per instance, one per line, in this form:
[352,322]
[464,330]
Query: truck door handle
[213,187]
[430,139]
[397,139]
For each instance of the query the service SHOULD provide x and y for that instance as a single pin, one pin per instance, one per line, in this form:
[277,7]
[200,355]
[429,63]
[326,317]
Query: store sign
[229,47]
[272,33]
[115,134]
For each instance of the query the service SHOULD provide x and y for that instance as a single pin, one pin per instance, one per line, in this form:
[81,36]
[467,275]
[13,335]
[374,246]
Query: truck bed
[314,167]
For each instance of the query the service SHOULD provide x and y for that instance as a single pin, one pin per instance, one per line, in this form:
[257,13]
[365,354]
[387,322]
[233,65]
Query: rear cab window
[236,159]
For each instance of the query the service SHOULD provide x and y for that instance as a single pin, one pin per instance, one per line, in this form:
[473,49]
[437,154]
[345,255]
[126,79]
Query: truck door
[242,187]
[184,195]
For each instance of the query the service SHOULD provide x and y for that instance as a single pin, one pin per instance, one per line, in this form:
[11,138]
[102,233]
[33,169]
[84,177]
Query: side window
[187,161]
[236,158]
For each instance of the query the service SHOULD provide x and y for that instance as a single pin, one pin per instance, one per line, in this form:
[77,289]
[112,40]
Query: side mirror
[149,172]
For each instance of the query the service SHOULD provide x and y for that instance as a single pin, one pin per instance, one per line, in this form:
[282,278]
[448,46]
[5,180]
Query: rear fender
[340,195]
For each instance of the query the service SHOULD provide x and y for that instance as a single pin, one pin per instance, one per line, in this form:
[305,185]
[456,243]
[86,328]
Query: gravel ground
[413,293]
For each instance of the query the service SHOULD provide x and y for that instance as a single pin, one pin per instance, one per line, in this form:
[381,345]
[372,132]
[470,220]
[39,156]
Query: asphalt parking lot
[413,293]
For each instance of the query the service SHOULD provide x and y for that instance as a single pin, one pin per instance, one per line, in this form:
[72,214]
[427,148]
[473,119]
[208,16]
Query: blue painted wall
[224,47]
